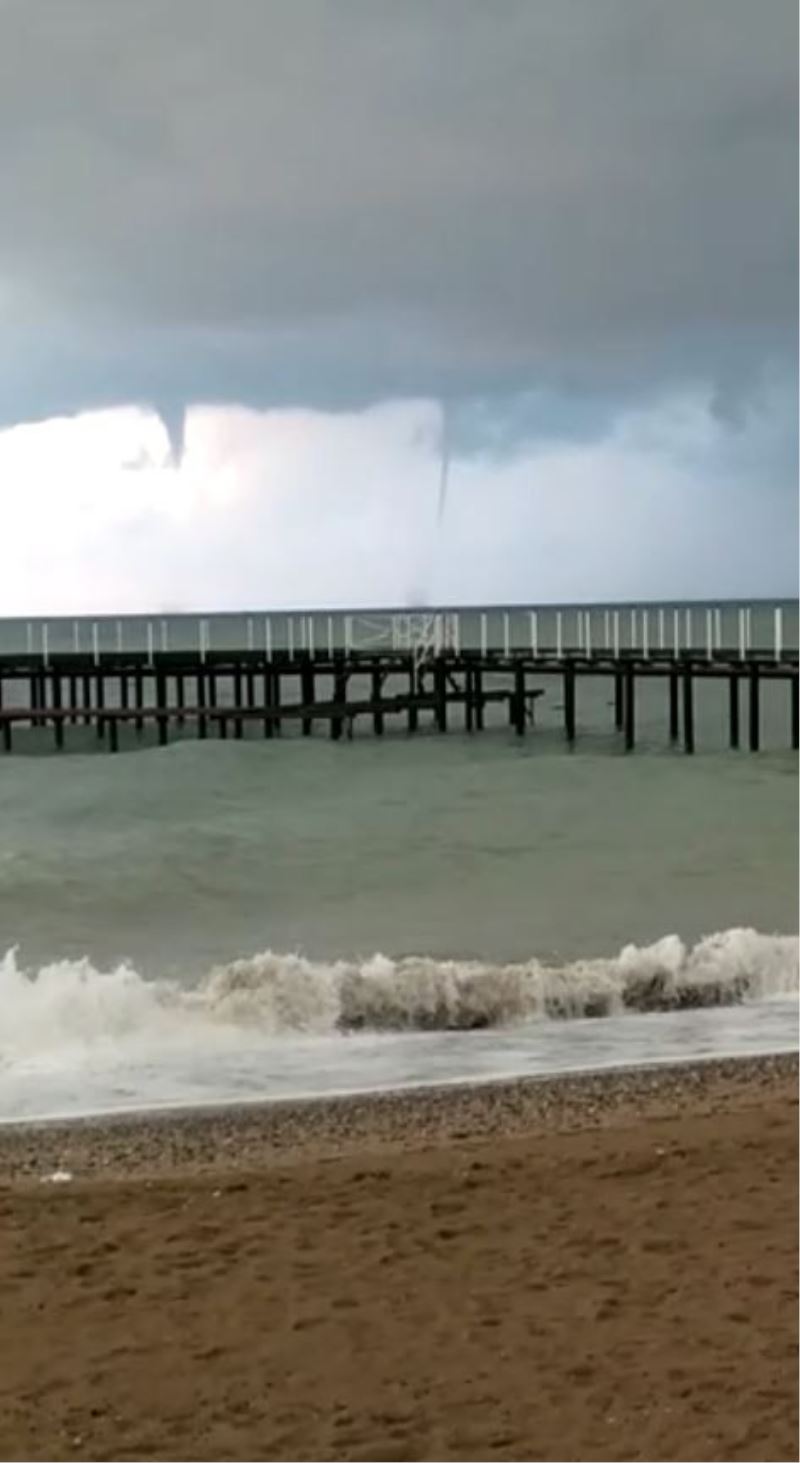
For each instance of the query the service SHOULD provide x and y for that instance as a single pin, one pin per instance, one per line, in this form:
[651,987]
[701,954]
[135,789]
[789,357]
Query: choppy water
[540,864]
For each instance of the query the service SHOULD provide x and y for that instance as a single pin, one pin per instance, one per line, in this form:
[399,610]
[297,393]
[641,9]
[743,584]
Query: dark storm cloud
[330,202]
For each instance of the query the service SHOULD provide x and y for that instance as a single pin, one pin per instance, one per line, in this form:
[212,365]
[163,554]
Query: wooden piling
[276,699]
[72,692]
[688,708]
[413,713]
[180,699]
[733,709]
[238,725]
[162,708]
[86,690]
[138,696]
[123,692]
[113,734]
[202,719]
[569,700]
[469,713]
[674,718]
[519,700]
[267,684]
[58,720]
[307,691]
[340,697]
[377,693]
[754,707]
[477,680]
[794,692]
[100,702]
[619,700]
[440,693]
[630,708]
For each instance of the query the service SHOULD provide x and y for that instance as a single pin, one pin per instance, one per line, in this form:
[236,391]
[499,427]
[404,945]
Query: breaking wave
[70,1002]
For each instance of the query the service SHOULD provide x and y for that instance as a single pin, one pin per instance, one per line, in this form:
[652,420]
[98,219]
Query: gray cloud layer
[333,200]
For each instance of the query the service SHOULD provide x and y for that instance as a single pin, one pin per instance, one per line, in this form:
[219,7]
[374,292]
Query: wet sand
[593,1267]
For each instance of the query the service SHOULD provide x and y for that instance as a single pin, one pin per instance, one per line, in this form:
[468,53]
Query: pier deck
[224,692]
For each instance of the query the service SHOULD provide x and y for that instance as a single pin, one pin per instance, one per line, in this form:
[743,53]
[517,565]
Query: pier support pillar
[755,708]
[733,709]
[340,698]
[688,708]
[569,701]
[238,725]
[674,688]
[377,693]
[268,699]
[58,720]
[138,691]
[100,702]
[440,693]
[619,700]
[202,720]
[518,701]
[162,719]
[630,709]
[794,690]
[307,693]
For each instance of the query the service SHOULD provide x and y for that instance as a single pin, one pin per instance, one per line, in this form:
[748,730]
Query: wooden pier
[124,696]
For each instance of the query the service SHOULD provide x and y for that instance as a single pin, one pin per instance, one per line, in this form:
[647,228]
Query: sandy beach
[596,1267]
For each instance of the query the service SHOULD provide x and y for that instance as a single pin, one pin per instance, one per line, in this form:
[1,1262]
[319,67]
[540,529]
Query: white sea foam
[70,1004]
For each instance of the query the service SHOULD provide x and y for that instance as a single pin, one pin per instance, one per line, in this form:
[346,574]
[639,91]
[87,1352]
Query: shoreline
[601,1266]
[256,1134]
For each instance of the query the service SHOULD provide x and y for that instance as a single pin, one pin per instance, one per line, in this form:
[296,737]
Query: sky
[264,267]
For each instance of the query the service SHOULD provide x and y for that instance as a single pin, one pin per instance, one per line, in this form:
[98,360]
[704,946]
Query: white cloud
[300,508]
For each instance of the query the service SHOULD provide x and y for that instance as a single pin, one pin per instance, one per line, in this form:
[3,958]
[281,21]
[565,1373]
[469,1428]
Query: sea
[237,921]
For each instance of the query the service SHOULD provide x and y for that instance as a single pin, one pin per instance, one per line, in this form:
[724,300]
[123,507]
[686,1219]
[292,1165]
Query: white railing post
[606,629]
[348,634]
[201,640]
[95,645]
[290,636]
[718,629]
[688,630]
[579,631]
[534,634]
[616,634]
[76,637]
[484,635]
[456,634]
[587,633]
[559,635]
[268,637]
[29,638]
[149,642]
[45,650]
[778,632]
[164,645]
[310,646]
[742,636]
[661,631]
[709,635]
[748,618]
[676,633]
[119,637]
[506,634]
[250,635]
[645,635]
[634,634]
[330,636]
